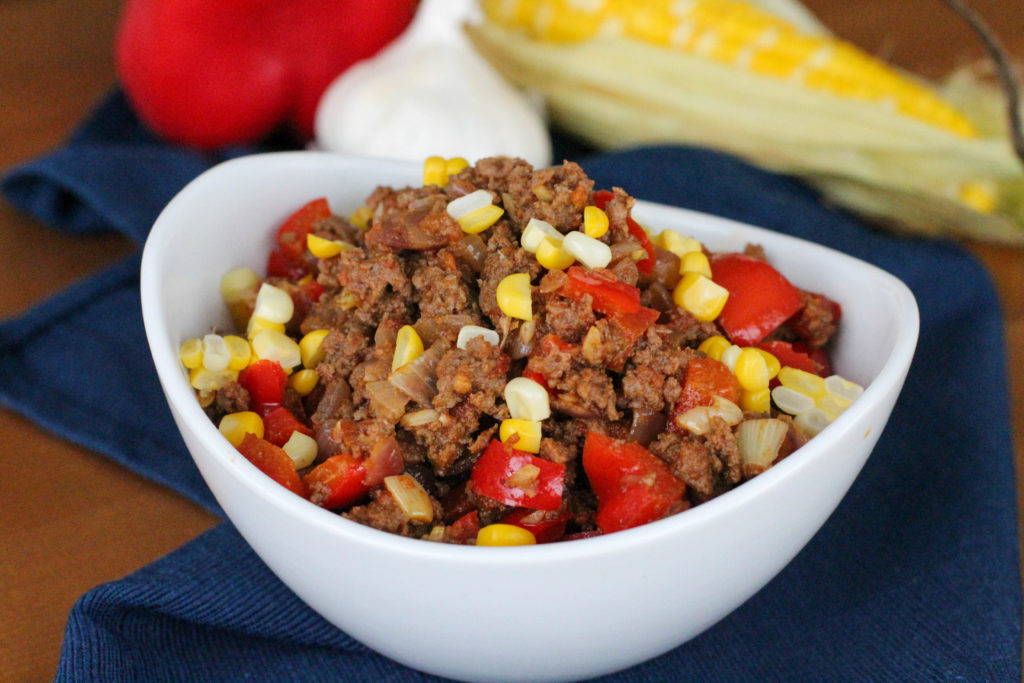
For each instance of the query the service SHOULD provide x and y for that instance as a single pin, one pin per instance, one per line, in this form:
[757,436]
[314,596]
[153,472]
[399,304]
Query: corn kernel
[714,347]
[238,283]
[730,356]
[257,325]
[700,296]
[527,399]
[322,247]
[589,251]
[273,304]
[304,381]
[239,350]
[812,421]
[802,381]
[680,245]
[528,431]
[301,448]
[468,332]
[771,362]
[595,222]
[844,388]
[695,262]
[277,346]
[481,219]
[453,166]
[515,297]
[216,355]
[408,347]
[467,204]
[752,370]
[553,256]
[434,171]
[757,401]
[790,401]
[832,405]
[361,217]
[535,231]
[191,353]
[202,379]
[310,350]
[505,535]
[234,426]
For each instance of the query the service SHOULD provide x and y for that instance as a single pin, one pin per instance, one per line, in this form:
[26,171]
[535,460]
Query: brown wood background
[70,518]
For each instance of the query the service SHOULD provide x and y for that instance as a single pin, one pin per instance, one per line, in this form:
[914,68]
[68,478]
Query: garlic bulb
[430,93]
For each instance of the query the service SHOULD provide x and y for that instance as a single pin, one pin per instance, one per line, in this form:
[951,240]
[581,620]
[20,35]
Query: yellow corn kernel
[361,217]
[234,426]
[277,346]
[408,347]
[756,401]
[680,245]
[434,171]
[802,381]
[505,534]
[595,222]
[714,347]
[844,388]
[700,296]
[515,297]
[752,370]
[273,304]
[310,351]
[790,401]
[591,252]
[304,381]
[202,379]
[216,355]
[322,247]
[301,448]
[771,362]
[481,219]
[528,431]
[453,166]
[239,350]
[191,353]
[257,324]
[237,283]
[979,196]
[553,256]
[729,357]
[535,231]
[695,262]
[832,405]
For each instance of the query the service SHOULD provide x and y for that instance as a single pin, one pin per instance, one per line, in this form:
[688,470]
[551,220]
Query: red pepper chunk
[633,486]
[760,297]
[646,265]
[634,325]
[705,379]
[337,482]
[291,236]
[545,526]
[265,380]
[519,479]
[608,294]
[273,462]
[280,423]
[793,356]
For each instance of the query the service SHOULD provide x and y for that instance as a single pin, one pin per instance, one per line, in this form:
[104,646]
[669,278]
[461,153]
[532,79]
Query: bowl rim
[181,398]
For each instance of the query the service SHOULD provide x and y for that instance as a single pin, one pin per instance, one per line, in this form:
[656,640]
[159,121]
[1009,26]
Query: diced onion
[411,497]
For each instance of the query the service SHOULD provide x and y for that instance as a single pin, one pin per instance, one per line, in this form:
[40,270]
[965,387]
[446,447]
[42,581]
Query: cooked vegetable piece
[516,478]
[265,380]
[705,379]
[337,482]
[760,297]
[273,462]
[609,294]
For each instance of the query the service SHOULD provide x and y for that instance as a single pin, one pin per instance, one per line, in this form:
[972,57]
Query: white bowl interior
[226,218]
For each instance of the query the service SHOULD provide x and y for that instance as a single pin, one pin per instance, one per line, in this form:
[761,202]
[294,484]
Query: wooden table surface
[72,519]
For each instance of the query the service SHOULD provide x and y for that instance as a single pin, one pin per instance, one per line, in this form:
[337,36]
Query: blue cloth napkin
[914,578]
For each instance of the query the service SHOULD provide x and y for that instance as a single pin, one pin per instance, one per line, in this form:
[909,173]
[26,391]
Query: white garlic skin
[429,93]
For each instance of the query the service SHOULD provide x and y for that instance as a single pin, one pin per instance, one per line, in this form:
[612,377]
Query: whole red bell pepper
[211,74]
[516,478]
[760,297]
[633,486]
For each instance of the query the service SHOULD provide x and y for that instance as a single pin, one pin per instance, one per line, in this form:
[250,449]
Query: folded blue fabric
[915,576]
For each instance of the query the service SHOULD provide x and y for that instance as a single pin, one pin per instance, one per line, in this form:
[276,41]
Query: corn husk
[903,172]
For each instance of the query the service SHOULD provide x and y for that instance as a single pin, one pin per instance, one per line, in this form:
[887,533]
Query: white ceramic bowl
[552,612]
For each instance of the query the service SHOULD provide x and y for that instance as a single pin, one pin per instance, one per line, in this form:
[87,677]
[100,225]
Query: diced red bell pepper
[760,297]
[280,423]
[705,379]
[337,482]
[546,527]
[540,487]
[646,265]
[633,486]
[265,380]
[464,528]
[608,294]
[634,325]
[280,265]
[796,356]
[273,462]
[291,235]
